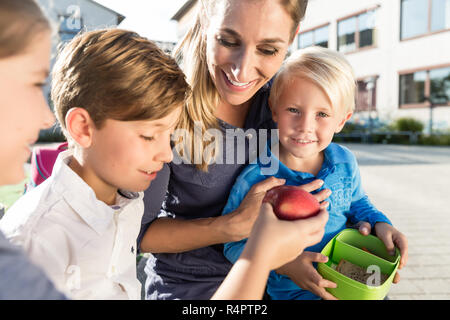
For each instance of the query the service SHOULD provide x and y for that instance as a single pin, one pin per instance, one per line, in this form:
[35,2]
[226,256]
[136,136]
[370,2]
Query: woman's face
[23,108]
[247,41]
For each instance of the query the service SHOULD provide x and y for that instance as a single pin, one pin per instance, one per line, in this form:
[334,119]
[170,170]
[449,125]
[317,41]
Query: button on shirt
[348,201]
[87,248]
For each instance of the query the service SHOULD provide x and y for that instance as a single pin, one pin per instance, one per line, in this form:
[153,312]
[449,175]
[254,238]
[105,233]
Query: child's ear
[344,120]
[80,126]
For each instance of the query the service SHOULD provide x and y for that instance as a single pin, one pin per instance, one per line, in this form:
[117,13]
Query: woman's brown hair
[20,22]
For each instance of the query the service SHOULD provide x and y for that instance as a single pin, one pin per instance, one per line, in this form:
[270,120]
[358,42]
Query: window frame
[373,107]
[426,34]
[427,87]
[327,24]
[357,31]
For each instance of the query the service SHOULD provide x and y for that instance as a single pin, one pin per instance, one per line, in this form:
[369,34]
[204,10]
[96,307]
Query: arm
[176,235]
[248,276]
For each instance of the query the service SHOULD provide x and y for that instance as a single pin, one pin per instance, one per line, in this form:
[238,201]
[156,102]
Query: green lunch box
[348,245]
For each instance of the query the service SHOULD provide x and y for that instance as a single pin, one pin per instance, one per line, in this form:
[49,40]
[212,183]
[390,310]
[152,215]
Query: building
[69,17]
[400,51]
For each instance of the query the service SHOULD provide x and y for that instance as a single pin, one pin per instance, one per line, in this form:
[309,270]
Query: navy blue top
[182,191]
[348,201]
[20,279]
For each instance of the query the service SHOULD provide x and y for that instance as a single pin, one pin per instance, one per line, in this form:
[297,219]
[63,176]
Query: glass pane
[440,85]
[366,97]
[440,15]
[305,39]
[346,35]
[414,18]
[412,87]
[321,36]
[366,25]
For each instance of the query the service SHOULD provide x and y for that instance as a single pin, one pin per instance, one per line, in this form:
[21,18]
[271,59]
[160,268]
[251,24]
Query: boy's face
[306,121]
[128,154]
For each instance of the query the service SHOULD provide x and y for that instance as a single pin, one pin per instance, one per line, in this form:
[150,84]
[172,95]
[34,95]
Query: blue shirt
[348,201]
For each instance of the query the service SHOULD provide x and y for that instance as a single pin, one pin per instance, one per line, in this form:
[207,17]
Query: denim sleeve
[20,278]
[361,209]
[232,250]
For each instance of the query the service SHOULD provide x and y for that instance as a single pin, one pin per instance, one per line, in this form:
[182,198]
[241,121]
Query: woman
[24,67]
[229,56]
[232,51]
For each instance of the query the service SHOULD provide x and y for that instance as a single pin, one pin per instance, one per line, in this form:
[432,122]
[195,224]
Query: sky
[150,18]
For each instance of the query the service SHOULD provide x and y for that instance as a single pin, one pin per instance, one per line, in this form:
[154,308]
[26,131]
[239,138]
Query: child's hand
[297,235]
[391,238]
[303,273]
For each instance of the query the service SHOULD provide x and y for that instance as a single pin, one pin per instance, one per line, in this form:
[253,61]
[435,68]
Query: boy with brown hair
[117,97]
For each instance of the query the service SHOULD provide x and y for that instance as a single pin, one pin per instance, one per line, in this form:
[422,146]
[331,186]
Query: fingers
[402,244]
[264,186]
[313,185]
[363,227]
[322,195]
[396,278]
[386,237]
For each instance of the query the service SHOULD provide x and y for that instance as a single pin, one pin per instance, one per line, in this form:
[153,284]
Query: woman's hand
[242,219]
[391,238]
[303,273]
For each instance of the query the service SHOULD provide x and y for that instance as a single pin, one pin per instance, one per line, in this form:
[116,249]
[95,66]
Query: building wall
[389,57]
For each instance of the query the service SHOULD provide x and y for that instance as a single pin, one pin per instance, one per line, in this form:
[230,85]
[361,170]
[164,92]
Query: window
[317,37]
[433,83]
[367,93]
[421,17]
[357,32]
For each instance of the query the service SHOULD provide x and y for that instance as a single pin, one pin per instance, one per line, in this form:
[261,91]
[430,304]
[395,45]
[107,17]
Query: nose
[306,123]
[164,153]
[48,119]
[243,64]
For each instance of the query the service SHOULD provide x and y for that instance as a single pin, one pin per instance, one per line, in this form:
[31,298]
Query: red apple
[292,203]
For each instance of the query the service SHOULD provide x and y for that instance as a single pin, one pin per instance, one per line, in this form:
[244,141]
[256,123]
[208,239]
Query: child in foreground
[311,99]
[117,98]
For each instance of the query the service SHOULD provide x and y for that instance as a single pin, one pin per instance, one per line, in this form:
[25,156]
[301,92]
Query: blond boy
[312,97]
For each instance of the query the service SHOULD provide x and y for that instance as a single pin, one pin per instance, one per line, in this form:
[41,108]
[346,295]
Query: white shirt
[85,246]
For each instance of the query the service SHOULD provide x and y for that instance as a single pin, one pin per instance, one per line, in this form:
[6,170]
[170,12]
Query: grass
[10,194]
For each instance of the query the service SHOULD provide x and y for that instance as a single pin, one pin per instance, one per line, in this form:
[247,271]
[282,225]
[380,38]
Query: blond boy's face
[306,121]
[128,154]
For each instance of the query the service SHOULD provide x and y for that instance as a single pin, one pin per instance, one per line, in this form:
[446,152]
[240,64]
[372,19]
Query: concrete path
[411,185]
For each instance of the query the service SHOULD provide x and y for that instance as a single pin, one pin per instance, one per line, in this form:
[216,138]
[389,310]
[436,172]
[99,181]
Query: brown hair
[116,74]
[202,103]
[20,22]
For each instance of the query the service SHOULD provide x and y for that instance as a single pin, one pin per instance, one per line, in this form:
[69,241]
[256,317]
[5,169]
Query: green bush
[408,124]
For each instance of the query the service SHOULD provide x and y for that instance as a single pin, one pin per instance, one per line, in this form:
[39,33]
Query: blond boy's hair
[116,74]
[328,69]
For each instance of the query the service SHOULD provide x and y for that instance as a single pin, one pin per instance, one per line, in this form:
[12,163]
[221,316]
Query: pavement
[411,184]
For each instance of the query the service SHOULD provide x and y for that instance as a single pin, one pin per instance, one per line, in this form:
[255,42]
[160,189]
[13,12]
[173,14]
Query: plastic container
[348,245]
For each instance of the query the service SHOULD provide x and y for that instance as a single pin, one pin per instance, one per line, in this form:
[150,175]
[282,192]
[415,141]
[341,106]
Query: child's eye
[322,115]
[293,110]
[40,84]
[147,138]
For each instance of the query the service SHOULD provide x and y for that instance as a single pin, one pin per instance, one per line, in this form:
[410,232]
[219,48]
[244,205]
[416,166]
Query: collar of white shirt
[81,197]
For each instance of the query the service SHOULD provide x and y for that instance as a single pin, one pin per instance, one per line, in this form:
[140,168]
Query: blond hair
[204,100]
[116,74]
[328,69]
[20,22]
